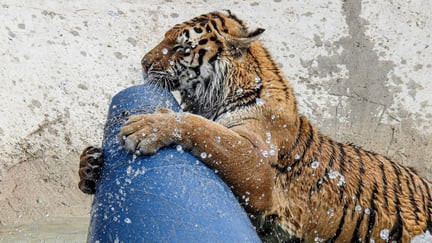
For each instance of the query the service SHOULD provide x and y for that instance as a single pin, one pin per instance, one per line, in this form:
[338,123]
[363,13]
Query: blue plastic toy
[167,197]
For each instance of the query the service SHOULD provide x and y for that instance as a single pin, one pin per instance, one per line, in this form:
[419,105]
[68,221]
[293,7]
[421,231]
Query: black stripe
[277,71]
[356,236]
[201,54]
[256,32]
[411,193]
[341,170]
[384,179]
[429,206]
[373,208]
[396,231]
[333,153]
[214,25]
[202,41]
[360,181]
[340,226]
[306,148]
[186,33]
[299,133]
[197,30]
[320,181]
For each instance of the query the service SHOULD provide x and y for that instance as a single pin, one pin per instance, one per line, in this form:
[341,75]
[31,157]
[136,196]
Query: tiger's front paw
[147,133]
[91,162]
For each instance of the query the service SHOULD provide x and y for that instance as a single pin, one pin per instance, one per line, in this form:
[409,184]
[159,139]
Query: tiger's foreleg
[236,153]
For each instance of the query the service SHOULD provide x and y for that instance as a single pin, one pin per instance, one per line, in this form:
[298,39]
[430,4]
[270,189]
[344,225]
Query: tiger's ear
[244,42]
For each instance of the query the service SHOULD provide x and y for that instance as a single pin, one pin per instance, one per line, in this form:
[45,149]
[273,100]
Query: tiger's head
[197,58]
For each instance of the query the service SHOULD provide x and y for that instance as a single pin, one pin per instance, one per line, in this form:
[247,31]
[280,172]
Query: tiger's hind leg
[91,162]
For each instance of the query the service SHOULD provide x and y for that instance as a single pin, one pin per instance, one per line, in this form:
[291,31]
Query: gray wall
[361,71]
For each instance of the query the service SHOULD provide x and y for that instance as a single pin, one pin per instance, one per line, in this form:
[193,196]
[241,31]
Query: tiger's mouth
[161,79]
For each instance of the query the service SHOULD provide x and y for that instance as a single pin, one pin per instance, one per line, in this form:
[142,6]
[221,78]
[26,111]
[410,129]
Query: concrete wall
[361,70]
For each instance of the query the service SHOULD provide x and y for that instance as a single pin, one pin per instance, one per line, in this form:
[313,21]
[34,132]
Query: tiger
[295,183]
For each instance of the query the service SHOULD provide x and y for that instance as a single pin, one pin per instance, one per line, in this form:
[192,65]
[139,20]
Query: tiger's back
[349,194]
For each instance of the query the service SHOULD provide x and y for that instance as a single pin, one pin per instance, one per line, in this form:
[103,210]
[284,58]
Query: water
[70,229]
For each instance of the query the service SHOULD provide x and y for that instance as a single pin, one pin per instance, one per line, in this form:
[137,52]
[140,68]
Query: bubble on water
[315,164]
[385,234]
[127,220]
[203,155]
[164,51]
[260,101]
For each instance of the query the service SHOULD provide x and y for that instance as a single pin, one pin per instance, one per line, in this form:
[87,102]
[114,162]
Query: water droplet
[203,155]
[259,101]
[297,157]
[384,234]
[268,137]
[367,211]
[331,212]
[218,139]
[129,170]
[239,91]
[257,79]
[357,208]
[187,50]
[194,45]
[315,164]
[265,153]
[171,62]
[164,51]
[179,148]
[127,220]
[318,239]
[272,152]
[333,174]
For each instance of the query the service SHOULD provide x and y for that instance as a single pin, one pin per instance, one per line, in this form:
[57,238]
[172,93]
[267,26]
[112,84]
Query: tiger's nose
[146,64]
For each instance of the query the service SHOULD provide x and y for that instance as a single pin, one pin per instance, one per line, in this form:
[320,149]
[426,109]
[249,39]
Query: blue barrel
[168,197]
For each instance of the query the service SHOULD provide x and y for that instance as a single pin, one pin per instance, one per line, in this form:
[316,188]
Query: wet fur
[293,180]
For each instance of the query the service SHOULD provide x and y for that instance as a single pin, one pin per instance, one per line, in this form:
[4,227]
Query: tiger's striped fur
[292,179]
